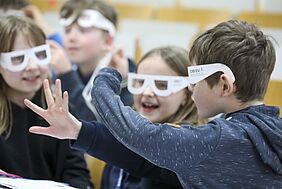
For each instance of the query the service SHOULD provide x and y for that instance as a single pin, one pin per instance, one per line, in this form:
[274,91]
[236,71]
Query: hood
[266,135]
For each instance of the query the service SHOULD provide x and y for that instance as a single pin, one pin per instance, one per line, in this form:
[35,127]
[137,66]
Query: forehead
[155,65]
[21,42]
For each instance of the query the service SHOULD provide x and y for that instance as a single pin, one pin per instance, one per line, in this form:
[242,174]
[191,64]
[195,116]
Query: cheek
[10,75]
[93,39]
[173,102]
[44,70]
[92,47]
[11,78]
[195,94]
[137,102]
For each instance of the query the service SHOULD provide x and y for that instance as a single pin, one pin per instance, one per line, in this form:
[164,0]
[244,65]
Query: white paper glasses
[18,60]
[161,85]
[200,72]
[167,85]
[90,18]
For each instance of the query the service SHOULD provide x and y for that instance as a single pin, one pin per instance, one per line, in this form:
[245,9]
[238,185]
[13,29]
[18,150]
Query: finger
[42,131]
[27,11]
[48,93]
[58,93]
[119,51]
[34,107]
[66,101]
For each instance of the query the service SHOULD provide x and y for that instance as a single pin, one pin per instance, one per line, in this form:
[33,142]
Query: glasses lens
[17,60]
[161,85]
[41,55]
[138,83]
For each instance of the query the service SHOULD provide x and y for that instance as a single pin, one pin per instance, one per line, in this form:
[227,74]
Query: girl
[24,59]
[155,102]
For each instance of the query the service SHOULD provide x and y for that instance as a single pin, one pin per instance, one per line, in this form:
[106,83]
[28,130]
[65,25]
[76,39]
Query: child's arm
[165,146]
[93,137]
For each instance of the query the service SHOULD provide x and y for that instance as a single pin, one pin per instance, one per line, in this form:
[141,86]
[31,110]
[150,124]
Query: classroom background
[145,24]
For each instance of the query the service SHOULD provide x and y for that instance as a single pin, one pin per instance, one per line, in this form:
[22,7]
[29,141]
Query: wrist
[77,130]
[76,126]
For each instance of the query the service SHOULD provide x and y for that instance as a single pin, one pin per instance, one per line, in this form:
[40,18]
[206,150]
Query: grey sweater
[242,150]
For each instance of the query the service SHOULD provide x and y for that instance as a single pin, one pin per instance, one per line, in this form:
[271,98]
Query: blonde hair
[11,26]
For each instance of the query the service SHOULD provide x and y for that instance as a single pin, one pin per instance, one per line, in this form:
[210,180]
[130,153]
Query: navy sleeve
[95,139]
[176,149]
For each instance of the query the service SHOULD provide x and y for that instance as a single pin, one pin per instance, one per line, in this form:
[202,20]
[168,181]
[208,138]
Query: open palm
[63,125]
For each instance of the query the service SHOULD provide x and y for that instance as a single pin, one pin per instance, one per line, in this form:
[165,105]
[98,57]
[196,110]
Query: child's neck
[18,97]
[239,105]
[88,67]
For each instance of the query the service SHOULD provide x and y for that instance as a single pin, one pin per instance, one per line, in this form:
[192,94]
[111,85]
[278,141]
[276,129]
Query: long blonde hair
[11,26]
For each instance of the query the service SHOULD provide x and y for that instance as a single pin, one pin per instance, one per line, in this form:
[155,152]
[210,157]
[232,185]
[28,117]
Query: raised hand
[63,124]
[119,61]
[60,63]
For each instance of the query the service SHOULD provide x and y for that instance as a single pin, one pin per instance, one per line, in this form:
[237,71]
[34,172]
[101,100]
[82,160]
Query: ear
[109,41]
[227,87]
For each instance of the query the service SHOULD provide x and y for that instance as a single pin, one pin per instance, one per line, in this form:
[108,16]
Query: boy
[90,28]
[242,150]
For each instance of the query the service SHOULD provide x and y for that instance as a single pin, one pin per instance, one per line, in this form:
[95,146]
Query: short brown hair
[13,4]
[244,49]
[75,7]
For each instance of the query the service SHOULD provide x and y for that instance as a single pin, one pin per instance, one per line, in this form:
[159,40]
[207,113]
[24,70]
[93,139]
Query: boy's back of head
[13,4]
[244,49]
[75,7]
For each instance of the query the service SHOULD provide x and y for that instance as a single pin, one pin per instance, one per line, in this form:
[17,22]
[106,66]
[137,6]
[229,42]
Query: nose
[149,91]
[191,87]
[31,65]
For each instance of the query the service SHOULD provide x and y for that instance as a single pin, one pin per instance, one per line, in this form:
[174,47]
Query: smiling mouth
[149,107]
[31,78]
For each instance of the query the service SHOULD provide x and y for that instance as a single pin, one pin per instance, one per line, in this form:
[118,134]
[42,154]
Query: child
[24,59]
[242,150]
[167,63]
[90,28]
